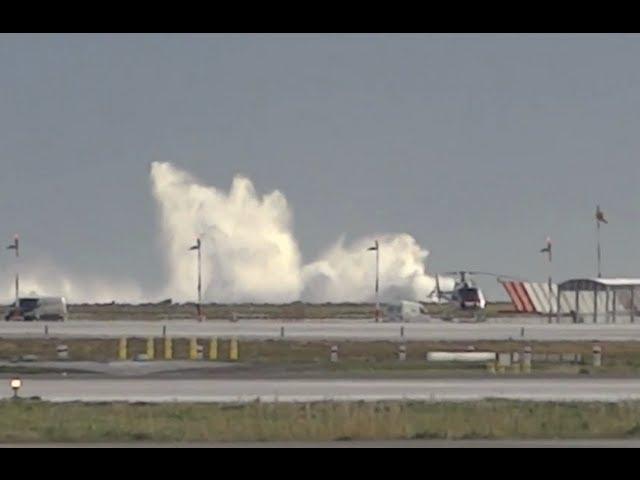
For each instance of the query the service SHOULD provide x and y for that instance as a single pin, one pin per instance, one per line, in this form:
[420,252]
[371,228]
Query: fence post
[597,356]
[334,353]
[402,353]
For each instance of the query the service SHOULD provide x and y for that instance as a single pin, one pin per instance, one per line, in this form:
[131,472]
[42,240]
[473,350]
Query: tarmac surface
[516,329]
[299,390]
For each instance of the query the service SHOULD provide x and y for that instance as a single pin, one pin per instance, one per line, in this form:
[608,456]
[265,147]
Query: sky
[478,146]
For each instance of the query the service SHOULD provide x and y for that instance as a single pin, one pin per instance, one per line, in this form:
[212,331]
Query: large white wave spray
[249,254]
[43,277]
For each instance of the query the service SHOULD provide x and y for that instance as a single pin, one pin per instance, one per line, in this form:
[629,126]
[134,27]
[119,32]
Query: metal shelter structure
[601,300]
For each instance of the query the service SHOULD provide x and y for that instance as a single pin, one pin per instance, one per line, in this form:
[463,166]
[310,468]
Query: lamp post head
[16,383]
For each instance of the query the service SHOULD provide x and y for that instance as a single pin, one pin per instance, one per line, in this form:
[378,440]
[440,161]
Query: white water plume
[249,254]
[248,250]
[43,278]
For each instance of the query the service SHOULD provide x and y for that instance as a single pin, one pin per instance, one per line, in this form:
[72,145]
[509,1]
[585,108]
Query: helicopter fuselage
[468,297]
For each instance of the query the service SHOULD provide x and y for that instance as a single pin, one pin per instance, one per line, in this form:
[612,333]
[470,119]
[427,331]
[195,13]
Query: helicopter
[465,300]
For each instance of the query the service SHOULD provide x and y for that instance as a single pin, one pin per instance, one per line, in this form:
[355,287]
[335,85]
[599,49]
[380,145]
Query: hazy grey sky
[477,145]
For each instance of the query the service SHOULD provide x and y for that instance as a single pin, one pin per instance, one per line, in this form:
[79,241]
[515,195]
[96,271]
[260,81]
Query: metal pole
[550,283]
[377,281]
[199,280]
[595,303]
[599,250]
[633,304]
[16,247]
[550,301]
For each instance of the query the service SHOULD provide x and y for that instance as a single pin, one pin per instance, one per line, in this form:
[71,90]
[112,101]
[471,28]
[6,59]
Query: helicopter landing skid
[478,318]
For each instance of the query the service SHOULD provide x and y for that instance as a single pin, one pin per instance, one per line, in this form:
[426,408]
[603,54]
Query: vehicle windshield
[28,304]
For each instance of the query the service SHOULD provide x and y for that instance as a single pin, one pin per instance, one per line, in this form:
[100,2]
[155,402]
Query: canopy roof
[599,283]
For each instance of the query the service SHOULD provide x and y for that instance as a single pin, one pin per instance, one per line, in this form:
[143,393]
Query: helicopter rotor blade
[474,272]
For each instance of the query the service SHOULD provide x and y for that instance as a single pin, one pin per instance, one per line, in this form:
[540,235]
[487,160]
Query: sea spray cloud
[249,254]
[347,273]
[42,277]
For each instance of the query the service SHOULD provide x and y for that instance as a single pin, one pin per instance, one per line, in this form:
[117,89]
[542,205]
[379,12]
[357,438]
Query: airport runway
[333,329]
[200,390]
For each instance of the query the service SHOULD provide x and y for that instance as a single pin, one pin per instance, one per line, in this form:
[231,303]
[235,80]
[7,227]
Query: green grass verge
[617,356]
[26,421]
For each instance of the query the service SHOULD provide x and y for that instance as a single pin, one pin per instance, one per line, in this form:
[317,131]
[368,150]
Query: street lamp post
[16,384]
[599,219]
[198,247]
[16,246]
[376,247]
[547,250]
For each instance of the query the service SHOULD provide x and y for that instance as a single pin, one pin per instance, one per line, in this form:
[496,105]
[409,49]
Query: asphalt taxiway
[517,329]
[302,390]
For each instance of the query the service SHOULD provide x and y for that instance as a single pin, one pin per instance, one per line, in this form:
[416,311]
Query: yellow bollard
[150,349]
[213,349]
[122,349]
[168,348]
[233,349]
[193,349]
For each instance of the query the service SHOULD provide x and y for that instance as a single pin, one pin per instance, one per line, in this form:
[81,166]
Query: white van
[38,308]
[405,311]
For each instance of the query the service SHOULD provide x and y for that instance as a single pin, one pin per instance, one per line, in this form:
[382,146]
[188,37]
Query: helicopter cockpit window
[469,295]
